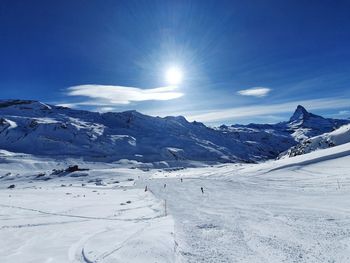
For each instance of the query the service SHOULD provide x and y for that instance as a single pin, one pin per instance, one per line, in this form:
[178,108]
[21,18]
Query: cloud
[66,105]
[105,109]
[112,95]
[341,114]
[344,112]
[261,110]
[255,92]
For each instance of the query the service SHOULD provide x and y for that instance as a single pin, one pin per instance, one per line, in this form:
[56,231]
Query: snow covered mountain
[302,125]
[305,125]
[276,137]
[37,128]
[326,140]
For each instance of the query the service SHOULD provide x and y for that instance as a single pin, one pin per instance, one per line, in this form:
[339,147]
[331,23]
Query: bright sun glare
[174,76]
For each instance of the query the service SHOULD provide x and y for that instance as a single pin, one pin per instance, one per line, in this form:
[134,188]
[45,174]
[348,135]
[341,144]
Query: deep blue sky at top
[298,49]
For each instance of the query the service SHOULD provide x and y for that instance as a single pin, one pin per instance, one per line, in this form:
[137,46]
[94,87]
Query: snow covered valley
[291,210]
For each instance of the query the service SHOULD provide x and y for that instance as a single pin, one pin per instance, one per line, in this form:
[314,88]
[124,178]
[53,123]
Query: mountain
[37,128]
[41,129]
[305,125]
[323,141]
[301,126]
[300,114]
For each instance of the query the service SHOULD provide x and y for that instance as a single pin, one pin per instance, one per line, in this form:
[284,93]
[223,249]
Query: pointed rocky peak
[299,114]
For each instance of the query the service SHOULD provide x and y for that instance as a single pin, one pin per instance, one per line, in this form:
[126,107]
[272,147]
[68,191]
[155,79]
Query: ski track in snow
[87,238]
[245,228]
[291,210]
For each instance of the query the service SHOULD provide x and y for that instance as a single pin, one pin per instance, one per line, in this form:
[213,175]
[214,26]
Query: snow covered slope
[99,217]
[290,210]
[37,128]
[327,140]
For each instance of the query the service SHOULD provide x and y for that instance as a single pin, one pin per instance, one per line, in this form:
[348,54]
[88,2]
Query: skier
[202,190]
[181,180]
[164,185]
[146,188]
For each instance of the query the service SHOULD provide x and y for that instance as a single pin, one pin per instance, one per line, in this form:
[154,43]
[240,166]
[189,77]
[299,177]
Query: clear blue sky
[283,52]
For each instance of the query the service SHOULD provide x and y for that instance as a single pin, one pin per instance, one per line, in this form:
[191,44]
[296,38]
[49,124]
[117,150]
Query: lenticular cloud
[123,95]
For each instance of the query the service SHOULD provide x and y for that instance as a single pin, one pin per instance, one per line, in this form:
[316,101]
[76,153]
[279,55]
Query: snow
[109,137]
[341,135]
[45,105]
[289,210]
[323,141]
[12,124]
[78,192]
[46,120]
[65,221]
[294,210]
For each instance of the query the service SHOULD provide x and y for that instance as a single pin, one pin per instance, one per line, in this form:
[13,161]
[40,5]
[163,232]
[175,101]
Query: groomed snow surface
[290,210]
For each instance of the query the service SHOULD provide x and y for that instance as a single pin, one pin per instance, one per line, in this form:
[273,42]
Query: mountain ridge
[111,136]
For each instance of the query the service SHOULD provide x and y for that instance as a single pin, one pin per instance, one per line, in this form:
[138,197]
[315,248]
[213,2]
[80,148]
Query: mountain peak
[302,109]
[299,114]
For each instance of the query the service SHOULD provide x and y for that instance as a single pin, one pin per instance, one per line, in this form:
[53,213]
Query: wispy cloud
[341,114]
[255,92]
[113,95]
[344,112]
[261,110]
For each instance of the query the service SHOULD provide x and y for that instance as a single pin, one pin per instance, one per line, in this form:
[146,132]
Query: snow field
[290,210]
[77,224]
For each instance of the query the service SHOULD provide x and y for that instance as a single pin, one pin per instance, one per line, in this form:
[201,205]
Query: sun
[174,76]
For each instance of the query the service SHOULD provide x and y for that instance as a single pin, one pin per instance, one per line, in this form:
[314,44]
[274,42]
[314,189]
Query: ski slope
[291,210]
[294,210]
[76,219]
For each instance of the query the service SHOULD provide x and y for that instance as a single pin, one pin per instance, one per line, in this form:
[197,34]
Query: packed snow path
[294,214]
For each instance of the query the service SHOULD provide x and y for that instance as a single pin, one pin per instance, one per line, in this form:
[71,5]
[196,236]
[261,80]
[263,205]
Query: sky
[240,61]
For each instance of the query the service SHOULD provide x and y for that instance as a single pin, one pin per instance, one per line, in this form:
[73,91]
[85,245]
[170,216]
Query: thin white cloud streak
[112,95]
[255,92]
[261,110]
[344,112]
[341,114]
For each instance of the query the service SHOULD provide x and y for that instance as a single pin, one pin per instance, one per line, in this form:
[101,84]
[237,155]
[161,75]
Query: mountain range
[34,127]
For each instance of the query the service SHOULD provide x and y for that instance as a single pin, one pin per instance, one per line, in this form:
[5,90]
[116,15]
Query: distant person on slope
[202,190]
